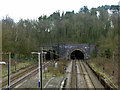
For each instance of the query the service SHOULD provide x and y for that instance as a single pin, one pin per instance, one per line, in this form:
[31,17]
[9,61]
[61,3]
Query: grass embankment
[108,69]
[59,71]
[51,70]
[20,64]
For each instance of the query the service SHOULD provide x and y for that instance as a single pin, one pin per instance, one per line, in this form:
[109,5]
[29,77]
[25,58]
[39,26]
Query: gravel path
[55,83]
[32,82]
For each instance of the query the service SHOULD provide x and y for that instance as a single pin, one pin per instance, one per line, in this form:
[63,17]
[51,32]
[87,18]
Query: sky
[32,9]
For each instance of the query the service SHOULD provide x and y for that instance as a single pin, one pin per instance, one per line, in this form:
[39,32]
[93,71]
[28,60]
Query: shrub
[107,53]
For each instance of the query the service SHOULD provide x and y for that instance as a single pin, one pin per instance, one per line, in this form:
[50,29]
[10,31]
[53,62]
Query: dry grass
[20,64]
[60,69]
[108,68]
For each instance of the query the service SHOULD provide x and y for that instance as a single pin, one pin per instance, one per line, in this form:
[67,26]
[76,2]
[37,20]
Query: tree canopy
[94,26]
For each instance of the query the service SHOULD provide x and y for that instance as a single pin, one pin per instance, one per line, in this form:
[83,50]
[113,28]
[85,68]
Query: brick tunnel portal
[77,54]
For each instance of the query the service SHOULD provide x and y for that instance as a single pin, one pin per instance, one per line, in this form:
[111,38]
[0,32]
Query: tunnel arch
[77,54]
[48,55]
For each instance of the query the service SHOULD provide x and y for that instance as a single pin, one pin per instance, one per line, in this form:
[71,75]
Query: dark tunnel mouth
[48,55]
[77,54]
[51,54]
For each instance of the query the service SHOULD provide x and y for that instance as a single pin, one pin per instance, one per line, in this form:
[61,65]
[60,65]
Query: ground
[108,68]
[56,73]
[20,64]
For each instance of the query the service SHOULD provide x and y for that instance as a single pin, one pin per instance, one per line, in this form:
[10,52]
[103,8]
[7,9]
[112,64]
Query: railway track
[79,75]
[87,78]
[21,76]
[73,75]
[17,75]
[82,77]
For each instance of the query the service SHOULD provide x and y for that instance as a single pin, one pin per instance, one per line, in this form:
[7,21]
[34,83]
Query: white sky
[32,9]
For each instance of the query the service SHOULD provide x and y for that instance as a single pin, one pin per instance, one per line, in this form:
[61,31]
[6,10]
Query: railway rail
[78,75]
[73,75]
[87,78]
[17,75]
[81,76]
[21,76]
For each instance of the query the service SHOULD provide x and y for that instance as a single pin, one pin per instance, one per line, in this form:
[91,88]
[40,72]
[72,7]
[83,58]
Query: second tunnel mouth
[51,54]
[77,54]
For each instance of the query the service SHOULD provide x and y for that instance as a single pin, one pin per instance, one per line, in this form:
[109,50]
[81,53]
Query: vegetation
[60,70]
[16,65]
[109,73]
[94,26]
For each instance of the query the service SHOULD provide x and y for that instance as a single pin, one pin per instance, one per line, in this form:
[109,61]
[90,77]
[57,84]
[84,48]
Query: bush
[94,53]
[107,53]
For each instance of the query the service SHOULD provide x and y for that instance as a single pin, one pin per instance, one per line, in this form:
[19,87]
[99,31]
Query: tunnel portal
[77,54]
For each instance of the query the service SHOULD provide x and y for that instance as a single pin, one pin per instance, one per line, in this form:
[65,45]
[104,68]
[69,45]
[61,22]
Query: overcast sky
[32,9]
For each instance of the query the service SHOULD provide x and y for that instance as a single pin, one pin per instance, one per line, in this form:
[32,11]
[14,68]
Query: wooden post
[41,66]
[45,65]
[98,60]
[113,65]
[15,62]
[9,61]
[103,66]
[39,69]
